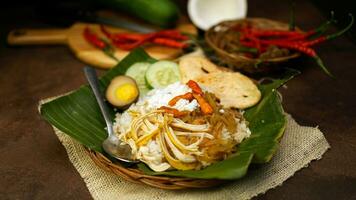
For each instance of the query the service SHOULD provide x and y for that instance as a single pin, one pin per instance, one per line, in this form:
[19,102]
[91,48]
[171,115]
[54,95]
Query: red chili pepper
[322,28]
[134,41]
[319,30]
[99,43]
[310,52]
[169,42]
[251,40]
[307,51]
[297,46]
[290,45]
[124,36]
[128,36]
[172,34]
[195,87]
[128,41]
[257,42]
[314,42]
[128,46]
[291,39]
[301,39]
[93,39]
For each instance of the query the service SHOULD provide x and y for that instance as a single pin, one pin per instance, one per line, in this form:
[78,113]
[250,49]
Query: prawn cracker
[232,88]
[193,67]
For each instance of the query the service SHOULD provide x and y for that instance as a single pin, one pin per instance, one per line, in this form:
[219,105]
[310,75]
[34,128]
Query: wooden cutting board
[73,37]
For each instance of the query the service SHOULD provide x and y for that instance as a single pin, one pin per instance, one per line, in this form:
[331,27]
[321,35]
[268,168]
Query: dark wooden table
[34,165]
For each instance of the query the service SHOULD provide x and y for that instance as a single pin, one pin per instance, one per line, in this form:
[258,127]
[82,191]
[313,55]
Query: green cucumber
[163,13]
[162,73]
[137,71]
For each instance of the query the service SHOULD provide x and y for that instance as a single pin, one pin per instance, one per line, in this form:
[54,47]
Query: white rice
[151,153]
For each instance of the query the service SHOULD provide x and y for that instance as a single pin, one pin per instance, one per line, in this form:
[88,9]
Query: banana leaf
[78,115]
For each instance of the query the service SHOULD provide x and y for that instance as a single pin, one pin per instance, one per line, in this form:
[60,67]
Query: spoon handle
[92,78]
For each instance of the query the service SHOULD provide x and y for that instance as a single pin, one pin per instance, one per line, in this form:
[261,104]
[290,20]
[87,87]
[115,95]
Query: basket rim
[241,57]
[134,175]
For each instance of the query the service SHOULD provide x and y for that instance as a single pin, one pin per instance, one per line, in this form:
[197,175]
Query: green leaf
[78,115]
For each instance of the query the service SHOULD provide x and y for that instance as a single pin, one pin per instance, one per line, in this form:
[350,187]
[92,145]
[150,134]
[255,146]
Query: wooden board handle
[37,37]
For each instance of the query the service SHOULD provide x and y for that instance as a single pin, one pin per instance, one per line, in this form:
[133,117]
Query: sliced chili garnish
[204,105]
[188,96]
[195,87]
[173,111]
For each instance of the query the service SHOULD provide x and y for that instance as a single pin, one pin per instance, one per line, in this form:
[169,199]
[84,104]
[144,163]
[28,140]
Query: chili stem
[322,28]
[330,37]
[322,66]
[99,43]
[335,35]
[292,17]
[109,52]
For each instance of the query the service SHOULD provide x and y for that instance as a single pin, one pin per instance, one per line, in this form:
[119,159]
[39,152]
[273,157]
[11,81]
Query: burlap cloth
[299,146]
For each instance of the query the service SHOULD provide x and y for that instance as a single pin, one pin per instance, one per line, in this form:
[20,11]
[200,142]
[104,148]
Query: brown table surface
[34,165]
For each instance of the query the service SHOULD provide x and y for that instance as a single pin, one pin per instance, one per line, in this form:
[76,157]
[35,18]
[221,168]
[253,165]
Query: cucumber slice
[137,71]
[162,73]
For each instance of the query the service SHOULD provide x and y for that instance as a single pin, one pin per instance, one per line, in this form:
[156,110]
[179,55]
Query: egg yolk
[126,92]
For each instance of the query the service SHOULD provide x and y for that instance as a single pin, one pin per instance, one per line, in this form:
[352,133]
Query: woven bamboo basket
[214,37]
[134,175]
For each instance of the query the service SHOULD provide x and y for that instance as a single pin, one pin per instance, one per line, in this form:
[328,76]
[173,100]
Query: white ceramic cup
[206,13]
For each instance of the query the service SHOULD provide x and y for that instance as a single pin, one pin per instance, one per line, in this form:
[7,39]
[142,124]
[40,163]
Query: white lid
[206,13]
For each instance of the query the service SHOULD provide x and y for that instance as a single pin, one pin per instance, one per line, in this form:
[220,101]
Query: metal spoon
[111,145]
